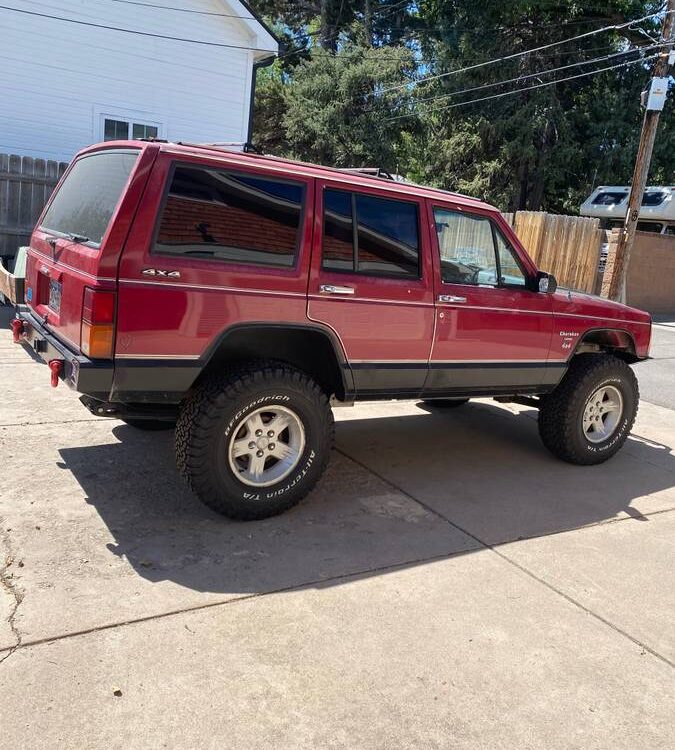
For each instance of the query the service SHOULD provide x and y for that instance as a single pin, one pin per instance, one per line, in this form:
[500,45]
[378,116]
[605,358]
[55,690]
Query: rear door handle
[451,298]
[333,289]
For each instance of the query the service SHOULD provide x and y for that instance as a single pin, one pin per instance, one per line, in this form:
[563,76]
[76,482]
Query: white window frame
[131,117]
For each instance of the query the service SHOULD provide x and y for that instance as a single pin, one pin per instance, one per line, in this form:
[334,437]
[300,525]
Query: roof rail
[245,146]
[369,172]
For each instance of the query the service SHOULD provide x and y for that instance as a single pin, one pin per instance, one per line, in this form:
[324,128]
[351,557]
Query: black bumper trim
[83,375]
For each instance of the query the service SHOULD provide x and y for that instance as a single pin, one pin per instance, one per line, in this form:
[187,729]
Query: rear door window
[386,240]
[86,201]
[217,214]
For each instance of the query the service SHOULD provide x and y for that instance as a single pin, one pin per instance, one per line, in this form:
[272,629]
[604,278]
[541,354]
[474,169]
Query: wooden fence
[25,186]
[566,246]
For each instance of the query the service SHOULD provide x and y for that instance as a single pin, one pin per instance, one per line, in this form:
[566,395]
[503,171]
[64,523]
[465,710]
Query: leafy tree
[540,148]
[327,112]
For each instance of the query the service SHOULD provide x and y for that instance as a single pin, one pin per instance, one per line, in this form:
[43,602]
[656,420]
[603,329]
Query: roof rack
[370,172]
[245,146]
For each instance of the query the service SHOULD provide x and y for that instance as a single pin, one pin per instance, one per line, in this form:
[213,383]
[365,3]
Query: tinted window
[467,248]
[387,236]
[609,198]
[210,213]
[338,233]
[85,202]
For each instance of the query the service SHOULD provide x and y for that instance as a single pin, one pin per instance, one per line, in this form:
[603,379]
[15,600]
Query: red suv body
[156,267]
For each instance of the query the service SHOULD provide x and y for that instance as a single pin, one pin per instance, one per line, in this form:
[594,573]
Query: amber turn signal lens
[97,341]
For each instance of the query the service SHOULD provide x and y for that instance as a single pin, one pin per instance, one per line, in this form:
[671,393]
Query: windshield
[86,200]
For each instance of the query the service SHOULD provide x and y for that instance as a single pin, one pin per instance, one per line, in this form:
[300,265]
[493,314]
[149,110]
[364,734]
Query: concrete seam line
[519,567]
[60,421]
[225,602]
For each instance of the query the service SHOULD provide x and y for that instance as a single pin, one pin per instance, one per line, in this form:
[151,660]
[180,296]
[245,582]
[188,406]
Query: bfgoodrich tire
[590,414]
[253,443]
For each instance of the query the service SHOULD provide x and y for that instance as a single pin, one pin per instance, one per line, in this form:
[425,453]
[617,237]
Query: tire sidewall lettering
[270,494]
[251,406]
[620,433]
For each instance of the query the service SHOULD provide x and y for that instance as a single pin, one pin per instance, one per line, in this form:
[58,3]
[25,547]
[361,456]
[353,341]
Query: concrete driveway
[448,585]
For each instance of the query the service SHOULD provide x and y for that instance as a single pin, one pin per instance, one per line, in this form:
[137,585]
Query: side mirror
[546,282]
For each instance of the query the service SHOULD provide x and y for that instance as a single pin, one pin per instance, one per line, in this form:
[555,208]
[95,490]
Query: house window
[122,130]
[386,240]
[213,214]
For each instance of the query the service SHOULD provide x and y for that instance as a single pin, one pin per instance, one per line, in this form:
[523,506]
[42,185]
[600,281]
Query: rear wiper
[76,237]
[199,252]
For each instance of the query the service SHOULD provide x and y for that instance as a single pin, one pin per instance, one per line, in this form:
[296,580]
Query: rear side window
[386,240]
[213,213]
[86,201]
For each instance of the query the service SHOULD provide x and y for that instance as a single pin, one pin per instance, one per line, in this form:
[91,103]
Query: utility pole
[617,289]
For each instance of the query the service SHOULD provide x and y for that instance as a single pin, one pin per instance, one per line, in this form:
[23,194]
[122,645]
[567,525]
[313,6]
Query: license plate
[55,295]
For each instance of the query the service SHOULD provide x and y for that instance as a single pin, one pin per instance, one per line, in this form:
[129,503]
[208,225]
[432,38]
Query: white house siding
[58,78]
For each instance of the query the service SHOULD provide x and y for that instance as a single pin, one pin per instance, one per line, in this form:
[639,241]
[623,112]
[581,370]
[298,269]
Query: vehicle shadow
[480,467]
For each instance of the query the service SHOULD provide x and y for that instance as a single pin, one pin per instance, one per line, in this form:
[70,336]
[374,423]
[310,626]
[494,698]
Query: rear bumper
[90,377]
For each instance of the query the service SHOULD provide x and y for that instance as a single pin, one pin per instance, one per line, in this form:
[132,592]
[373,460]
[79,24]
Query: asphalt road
[657,376]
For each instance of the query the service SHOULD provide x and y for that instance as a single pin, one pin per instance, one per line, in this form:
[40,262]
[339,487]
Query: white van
[609,203]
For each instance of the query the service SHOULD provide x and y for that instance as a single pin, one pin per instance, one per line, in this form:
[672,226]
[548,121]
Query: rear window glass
[86,201]
[220,215]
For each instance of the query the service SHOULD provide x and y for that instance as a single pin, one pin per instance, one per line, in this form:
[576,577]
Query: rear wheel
[253,443]
[589,416]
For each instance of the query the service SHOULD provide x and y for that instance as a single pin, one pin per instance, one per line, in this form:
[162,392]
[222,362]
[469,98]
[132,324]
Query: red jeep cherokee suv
[234,296]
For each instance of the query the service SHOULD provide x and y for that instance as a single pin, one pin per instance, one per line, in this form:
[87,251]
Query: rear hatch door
[80,235]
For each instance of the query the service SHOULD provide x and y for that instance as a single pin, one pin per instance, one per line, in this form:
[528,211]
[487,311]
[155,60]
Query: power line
[540,73]
[614,27]
[133,31]
[530,88]
[185,10]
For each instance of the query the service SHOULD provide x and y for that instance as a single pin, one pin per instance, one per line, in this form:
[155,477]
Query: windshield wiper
[76,237]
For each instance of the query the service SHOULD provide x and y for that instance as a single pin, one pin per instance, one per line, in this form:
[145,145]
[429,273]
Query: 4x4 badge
[161,272]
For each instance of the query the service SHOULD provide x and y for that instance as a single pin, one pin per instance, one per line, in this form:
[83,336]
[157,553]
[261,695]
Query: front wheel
[253,443]
[590,414]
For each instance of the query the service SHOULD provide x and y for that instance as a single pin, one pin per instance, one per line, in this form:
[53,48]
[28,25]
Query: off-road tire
[446,403]
[217,405]
[560,414]
[150,425]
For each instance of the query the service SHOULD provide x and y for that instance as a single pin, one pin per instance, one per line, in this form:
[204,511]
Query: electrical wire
[133,31]
[186,10]
[544,72]
[530,88]
[614,27]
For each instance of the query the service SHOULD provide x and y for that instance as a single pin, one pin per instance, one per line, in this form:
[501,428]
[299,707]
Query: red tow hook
[17,330]
[56,366]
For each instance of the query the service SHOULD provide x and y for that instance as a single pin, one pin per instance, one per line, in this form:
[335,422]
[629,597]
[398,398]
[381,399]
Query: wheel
[590,414]
[149,425]
[253,443]
[445,403]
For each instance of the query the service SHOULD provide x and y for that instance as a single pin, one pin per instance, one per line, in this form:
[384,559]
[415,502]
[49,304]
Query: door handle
[333,289]
[451,298]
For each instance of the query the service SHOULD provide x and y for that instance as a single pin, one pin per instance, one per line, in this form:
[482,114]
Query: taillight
[98,316]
